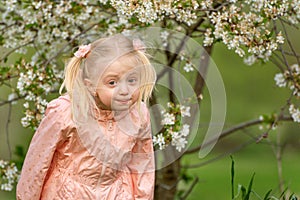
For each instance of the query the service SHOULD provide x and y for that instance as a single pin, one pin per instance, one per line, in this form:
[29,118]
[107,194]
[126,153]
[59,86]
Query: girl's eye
[132,80]
[112,83]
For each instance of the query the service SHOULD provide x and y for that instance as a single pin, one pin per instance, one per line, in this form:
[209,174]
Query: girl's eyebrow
[132,73]
[111,75]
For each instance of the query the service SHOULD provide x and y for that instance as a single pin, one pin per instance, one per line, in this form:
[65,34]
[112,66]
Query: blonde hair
[103,53]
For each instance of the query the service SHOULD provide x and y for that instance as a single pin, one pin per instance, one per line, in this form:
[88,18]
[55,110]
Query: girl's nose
[123,89]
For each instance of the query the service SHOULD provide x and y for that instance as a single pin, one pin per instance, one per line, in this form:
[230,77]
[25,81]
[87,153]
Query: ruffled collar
[106,115]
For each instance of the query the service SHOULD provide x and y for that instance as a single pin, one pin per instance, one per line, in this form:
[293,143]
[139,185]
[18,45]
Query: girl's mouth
[123,101]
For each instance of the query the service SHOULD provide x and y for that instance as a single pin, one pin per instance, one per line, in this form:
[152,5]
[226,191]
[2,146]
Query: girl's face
[118,87]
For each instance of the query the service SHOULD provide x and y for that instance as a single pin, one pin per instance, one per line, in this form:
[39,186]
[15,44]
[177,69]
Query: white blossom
[295,68]
[164,37]
[206,4]
[185,130]
[188,67]
[168,119]
[261,118]
[12,96]
[250,60]
[9,175]
[280,38]
[280,80]
[178,142]
[295,113]
[159,140]
[170,105]
[185,111]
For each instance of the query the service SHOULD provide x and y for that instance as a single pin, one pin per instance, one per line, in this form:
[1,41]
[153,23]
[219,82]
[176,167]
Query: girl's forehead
[122,66]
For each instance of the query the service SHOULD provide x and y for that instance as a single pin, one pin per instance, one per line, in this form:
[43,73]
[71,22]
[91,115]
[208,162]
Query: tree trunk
[168,177]
[166,181]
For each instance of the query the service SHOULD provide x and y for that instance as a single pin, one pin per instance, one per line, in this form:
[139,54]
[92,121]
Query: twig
[7,131]
[10,101]
[14,49]
[277,150]
[277,63]
[7,26]
[8,78]
[234,129]
[251,141]
[285,61]
[289,42]
[292,54]
[172,58]
[289,23]
[46,63]
[187,193]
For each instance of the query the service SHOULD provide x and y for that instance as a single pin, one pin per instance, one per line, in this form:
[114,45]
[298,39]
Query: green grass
[215,178]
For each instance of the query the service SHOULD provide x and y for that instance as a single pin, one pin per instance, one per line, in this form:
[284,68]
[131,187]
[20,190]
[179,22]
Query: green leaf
[243,189]
[249,188]
[293,197]
[282,194]
[267,196]
[232,177]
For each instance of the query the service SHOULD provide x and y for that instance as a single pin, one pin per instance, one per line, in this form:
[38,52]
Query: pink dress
[62,163]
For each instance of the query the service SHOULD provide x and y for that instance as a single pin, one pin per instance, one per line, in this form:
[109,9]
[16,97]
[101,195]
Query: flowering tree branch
[59,52]
[234,129]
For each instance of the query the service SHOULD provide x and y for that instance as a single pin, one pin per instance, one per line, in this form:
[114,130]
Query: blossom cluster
[291,78]
[151,11]
[295,113]
[174,131]
[268,122]
[34,84]
[46,22]
[9,175]
[244,26]
[188,64]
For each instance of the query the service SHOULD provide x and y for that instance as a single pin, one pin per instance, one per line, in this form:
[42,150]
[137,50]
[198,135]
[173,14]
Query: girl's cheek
[135,95]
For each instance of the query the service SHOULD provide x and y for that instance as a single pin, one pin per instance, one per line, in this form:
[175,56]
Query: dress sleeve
[41,150]
[142,164]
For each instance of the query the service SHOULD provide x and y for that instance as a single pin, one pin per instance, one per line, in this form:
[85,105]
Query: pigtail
[148,78]
[71,73]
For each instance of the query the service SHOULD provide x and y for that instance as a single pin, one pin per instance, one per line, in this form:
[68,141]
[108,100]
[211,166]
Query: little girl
[95,141]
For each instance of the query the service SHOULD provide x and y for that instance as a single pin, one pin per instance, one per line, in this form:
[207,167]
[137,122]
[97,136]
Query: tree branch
[14,49]
[234,129]
[289,42]
[12,100]
[294,54]
[285,61]
[187,193]
[173,57]
[277,63]
[201,164]
[46,63]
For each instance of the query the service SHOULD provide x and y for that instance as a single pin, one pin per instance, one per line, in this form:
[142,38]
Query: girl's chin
[121,107]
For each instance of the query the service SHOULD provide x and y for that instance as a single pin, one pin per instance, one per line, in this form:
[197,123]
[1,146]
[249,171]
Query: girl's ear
[87,83]
[89,86]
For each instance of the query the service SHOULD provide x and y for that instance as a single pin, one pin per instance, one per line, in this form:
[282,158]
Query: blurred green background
[251,92]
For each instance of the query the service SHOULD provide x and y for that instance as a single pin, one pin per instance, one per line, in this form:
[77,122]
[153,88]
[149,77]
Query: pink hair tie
[83,51]
[138,45]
